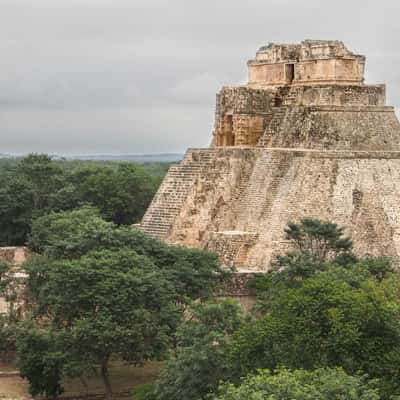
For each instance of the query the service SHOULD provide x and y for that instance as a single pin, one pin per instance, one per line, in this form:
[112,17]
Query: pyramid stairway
[174,190]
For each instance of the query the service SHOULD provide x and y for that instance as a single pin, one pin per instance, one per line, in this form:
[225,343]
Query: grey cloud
[95,76]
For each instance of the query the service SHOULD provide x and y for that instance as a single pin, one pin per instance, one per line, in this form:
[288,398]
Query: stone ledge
[346,108]
[302,152]
[8,374]
[354,154]
[232,246]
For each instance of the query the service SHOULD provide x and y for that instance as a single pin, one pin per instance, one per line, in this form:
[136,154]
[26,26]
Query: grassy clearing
[123,378]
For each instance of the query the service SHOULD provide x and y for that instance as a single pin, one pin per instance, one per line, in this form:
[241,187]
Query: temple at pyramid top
[308,95]
[310,62]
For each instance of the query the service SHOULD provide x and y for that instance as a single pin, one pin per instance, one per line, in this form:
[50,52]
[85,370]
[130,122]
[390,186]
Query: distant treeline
[156,168]
[36,185]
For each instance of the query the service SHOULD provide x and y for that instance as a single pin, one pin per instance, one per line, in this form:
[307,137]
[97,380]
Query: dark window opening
[289,73]
[229,134]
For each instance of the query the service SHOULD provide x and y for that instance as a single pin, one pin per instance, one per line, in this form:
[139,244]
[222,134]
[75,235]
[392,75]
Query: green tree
[71,234]
[83,260]
[379,267]
[35,185]
[322,241]
[144,391]
[122,194]
[16,199]
[40,359]
[321,384]
[320,246]
[107,303]
[327,321]
[26,192]
[199,364]
[44,176]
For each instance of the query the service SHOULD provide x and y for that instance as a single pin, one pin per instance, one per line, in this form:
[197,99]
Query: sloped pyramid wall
[239,204]
[257,191]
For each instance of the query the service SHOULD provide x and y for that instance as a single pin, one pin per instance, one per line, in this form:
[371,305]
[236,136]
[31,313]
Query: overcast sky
[134,76]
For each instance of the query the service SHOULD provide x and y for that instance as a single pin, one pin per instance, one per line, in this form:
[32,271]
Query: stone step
[273,126]
[173,192]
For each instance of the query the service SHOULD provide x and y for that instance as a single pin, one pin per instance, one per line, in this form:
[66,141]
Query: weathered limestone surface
[15,256]
[307,63]
[242,215]
[335,128]
[327,149]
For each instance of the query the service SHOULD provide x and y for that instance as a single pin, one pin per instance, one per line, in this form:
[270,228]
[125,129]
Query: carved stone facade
[310,62]
[326,147]
[241,115]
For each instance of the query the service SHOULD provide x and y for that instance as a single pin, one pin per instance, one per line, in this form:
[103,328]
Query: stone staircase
[273,126]
[174,190]
[268,176]
[254,194]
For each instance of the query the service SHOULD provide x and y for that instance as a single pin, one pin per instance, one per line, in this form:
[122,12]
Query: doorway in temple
[229,134]
[289,70]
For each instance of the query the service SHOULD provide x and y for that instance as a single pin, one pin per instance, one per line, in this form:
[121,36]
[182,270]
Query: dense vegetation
[36,185]
[99,291]
[320,384]
[326,324]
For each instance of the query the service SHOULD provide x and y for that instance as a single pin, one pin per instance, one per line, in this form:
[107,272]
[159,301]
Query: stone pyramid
[304,138]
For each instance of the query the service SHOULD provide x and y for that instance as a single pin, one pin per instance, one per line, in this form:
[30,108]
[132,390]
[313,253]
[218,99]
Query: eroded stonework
[307,63]
[320,144]
[15,257]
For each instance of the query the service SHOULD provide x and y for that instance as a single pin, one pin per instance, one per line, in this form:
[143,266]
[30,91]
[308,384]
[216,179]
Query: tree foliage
[320,384]
[40,359]
[107,291]
[321,240]
[16,200]
[327,322]
[36,185]
[320,246]
[107,303]
[121,194]
[199,364]
[71,234]
[44,176]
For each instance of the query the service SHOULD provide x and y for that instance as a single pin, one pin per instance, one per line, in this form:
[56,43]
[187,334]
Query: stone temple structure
[306,137]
